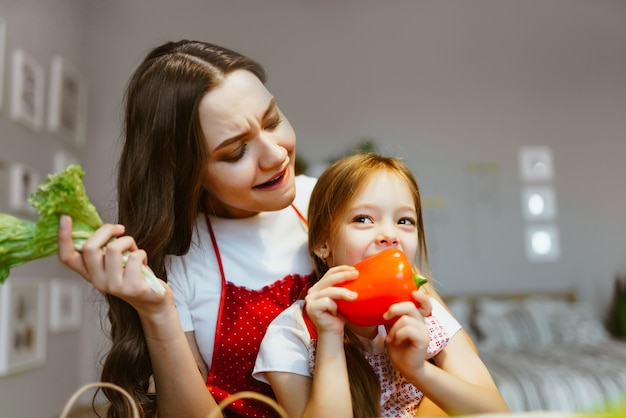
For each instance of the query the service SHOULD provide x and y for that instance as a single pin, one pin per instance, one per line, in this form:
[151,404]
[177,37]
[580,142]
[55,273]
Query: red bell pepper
[384,279]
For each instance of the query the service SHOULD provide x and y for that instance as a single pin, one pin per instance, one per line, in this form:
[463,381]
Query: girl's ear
[322,252]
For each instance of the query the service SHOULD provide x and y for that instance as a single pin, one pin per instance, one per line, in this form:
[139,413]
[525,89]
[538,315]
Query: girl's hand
[407,339]
[104,269]
[320,299]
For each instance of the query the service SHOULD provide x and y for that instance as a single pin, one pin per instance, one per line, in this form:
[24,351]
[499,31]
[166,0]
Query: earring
[322,253]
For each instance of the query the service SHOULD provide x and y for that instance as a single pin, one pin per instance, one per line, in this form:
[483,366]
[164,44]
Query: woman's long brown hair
[330,200]
[160,185]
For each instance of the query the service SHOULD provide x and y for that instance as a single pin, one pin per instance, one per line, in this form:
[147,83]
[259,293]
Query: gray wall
[446,84]
[44,29]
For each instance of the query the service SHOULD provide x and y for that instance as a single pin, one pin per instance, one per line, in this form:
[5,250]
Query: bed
[546,352]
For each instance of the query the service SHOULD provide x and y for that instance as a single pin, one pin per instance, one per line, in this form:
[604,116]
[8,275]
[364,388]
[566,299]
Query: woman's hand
[407,339]
[320,299]
[105,269]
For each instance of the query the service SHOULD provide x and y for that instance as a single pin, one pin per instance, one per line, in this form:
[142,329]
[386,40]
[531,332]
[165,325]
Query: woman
[206,183]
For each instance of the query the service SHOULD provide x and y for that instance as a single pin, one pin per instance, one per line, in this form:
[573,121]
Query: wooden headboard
[569,295]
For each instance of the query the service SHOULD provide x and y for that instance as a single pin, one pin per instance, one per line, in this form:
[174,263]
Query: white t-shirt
[255,252]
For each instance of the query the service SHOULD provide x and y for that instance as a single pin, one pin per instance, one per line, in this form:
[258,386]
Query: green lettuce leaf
[62,193]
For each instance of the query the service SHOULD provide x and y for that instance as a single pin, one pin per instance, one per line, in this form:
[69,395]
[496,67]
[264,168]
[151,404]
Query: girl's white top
[288,347]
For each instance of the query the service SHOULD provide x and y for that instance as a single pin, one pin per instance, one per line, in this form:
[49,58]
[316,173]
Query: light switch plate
[536,163]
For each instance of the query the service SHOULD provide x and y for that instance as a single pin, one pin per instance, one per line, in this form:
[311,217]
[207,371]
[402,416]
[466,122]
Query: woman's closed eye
[236,154]
[272,118]
[273,124]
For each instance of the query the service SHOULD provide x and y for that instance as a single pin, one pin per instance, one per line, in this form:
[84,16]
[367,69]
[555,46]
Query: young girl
[361,205]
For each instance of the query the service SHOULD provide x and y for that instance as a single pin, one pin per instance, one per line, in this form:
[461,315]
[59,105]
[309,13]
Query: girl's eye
[273,124]
[407,221]
[363,219]
[237,154]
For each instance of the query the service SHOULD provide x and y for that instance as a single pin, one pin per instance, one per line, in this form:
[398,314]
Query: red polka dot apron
[243,317]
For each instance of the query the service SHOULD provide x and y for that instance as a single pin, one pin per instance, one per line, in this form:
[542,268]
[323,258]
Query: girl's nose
[387,239]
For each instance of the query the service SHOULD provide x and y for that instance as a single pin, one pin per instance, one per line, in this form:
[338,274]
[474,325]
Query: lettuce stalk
[62,193]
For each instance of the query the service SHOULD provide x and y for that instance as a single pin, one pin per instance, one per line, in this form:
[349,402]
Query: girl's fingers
[402,308]
[419,308]
[332,293]
[335,275]
[317,306]
[422,301]
[325,287]
[408,329]
[402,335]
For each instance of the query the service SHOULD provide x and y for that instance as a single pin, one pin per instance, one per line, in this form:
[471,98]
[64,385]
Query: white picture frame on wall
[65,305]
[23,330]
[67,108]
[23,181]
[3,41]
[27,92]
[63,159]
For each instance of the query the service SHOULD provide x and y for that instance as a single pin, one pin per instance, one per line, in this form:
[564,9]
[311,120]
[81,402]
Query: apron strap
[300,215]
[218,325]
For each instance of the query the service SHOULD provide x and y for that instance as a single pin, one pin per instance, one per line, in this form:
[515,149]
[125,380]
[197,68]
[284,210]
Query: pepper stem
[419,280]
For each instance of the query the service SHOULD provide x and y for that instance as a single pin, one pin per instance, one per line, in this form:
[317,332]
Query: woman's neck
[220,210]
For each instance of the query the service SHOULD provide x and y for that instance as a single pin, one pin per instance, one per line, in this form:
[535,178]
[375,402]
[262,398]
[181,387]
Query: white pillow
[543,309]
[461,309]
[517,323]
[504,324]
[536,321]
[577,324]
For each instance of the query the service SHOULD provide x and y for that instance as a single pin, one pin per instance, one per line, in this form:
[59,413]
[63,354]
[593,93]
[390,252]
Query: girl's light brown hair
[330,200]
[336,188]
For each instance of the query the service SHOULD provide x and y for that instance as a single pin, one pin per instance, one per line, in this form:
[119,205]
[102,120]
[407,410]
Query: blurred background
[489,101]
